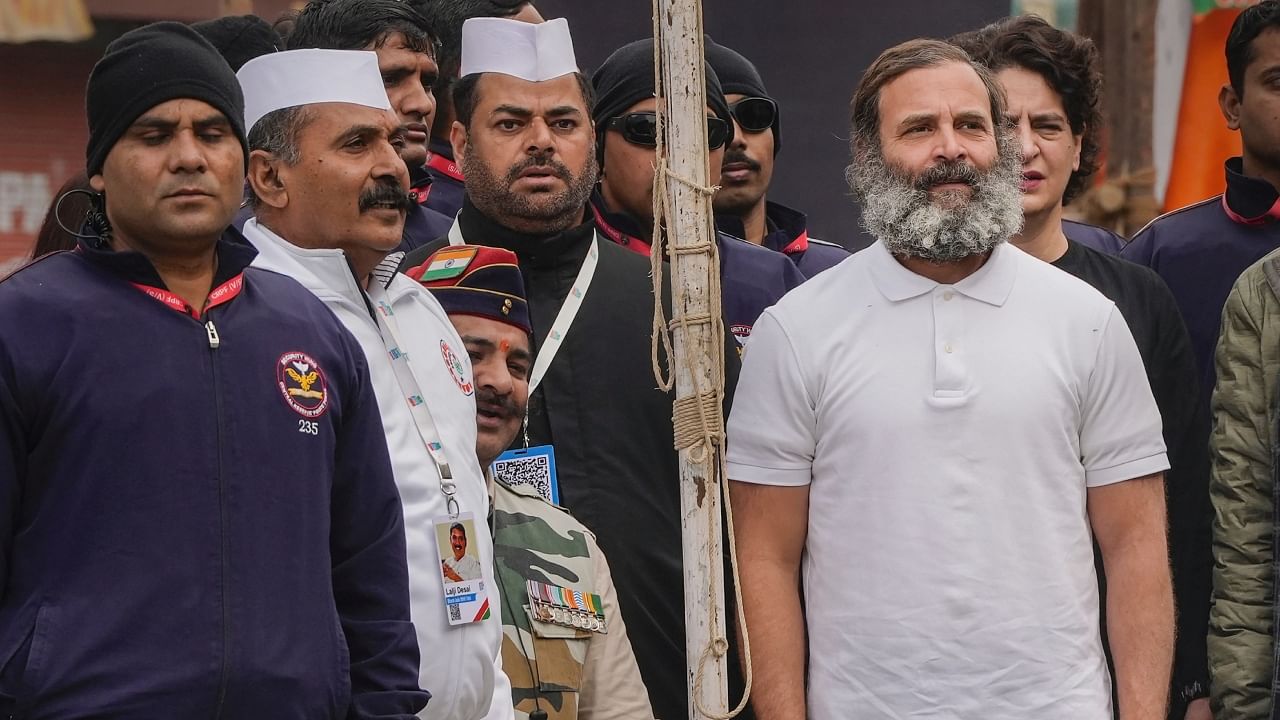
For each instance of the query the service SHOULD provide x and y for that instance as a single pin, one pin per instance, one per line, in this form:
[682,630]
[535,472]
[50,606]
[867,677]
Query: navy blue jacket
[1200,251]
[787,232]
[1092,236]
[192,523]
[446,188]
[752,278]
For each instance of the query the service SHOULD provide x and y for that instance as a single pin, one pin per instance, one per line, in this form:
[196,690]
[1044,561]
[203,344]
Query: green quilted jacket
[1243,489]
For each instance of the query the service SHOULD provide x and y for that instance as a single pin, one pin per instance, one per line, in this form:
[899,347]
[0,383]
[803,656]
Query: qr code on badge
[535,471]
[455,613]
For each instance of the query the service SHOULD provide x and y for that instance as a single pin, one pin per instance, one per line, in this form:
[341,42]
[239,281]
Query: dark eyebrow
[563,110]
[513,110]
[918,118]
[489,345]
[361,131]
[148,122]
[396,74]
[213,121]
[1056,116]
[972,116]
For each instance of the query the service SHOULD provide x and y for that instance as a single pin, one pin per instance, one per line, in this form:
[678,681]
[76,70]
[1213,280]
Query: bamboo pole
[697,357]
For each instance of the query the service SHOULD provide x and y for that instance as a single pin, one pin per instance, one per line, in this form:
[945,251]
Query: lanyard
[445,166]
[224,293]
[568,311]
[408,383]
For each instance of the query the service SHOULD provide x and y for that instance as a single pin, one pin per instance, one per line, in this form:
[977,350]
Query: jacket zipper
[211,332]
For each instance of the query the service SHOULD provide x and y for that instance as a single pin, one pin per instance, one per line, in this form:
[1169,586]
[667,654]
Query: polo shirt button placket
[950,378]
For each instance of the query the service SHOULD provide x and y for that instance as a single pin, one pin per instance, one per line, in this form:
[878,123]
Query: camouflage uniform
[582,674]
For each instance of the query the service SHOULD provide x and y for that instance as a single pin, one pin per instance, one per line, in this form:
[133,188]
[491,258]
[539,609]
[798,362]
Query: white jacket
[461,666]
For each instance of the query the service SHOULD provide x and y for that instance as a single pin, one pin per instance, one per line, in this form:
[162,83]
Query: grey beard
[905,218]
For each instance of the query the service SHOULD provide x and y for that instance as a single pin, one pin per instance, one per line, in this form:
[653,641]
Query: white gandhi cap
[533,52]
[276,81]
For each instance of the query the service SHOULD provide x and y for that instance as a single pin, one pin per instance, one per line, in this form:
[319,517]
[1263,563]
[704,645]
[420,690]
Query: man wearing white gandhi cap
[527,146]
[329,194]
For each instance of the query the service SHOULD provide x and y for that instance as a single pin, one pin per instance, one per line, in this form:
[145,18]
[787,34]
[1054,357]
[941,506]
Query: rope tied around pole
[698,419]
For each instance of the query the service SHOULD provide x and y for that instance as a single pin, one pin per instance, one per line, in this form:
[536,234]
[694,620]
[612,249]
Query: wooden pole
[697,361]
[1126,47]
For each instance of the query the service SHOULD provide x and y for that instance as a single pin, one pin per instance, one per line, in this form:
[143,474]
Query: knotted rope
[698,418]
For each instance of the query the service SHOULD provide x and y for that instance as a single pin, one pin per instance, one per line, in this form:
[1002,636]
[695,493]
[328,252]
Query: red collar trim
[220,295]
[631,243]
[799,245]
[1265,218]
[444,165]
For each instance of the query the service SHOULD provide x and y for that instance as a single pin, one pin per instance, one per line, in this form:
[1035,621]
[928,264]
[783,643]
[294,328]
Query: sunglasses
[755,114]
[641,128]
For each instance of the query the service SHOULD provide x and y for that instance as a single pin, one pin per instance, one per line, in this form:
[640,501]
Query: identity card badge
[465,596]
[534,467]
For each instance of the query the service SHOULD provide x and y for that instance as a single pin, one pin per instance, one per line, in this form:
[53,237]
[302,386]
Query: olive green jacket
[1243,491]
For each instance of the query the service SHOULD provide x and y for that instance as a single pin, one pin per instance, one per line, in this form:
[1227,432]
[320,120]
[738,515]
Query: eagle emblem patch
[456,369]
[302,384]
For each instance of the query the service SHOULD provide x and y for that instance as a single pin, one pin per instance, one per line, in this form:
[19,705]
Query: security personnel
[751,278]
[742,208]
[197,513]
[565,646]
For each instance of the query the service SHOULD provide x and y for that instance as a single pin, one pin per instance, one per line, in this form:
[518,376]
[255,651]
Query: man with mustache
[741,206]
[330,196]
[197,513]
[563,662]
[934,463]
[526,142]
[406,50]
[445,192]
[751,278]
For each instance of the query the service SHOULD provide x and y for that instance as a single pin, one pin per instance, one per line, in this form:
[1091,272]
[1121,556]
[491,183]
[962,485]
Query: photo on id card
[465,596]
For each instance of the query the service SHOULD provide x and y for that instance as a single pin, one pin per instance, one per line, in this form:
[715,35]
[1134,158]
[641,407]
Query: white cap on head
[533,52]
[276,81]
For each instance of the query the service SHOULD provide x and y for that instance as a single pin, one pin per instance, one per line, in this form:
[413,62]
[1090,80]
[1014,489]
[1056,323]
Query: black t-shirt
[1151,312]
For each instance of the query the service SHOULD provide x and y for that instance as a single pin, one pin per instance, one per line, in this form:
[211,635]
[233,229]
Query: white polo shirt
[948,434]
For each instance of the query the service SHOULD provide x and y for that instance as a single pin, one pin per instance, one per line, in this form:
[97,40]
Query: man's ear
[97,183]
[1229,101]
[265,179]
[458,139]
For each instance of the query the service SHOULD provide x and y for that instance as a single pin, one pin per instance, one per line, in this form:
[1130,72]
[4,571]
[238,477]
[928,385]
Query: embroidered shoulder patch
[302,384]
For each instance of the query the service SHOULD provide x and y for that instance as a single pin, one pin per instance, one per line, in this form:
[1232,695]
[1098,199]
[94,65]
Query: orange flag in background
[1203,141]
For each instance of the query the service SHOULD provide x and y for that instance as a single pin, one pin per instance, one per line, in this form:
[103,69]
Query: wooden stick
[697,357]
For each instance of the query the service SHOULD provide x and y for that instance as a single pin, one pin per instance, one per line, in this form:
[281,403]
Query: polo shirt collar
[991,284]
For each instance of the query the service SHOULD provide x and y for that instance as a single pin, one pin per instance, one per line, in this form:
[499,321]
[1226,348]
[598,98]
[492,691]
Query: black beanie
[739,77]
[626,78]
[240,38]
[150,65]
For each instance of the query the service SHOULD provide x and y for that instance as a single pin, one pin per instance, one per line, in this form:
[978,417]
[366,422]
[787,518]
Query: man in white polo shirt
[935,447]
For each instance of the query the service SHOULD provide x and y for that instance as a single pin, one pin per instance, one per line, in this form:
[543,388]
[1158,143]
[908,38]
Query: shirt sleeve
[611,685]
[1120,436]
[773,427]
[370,571]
